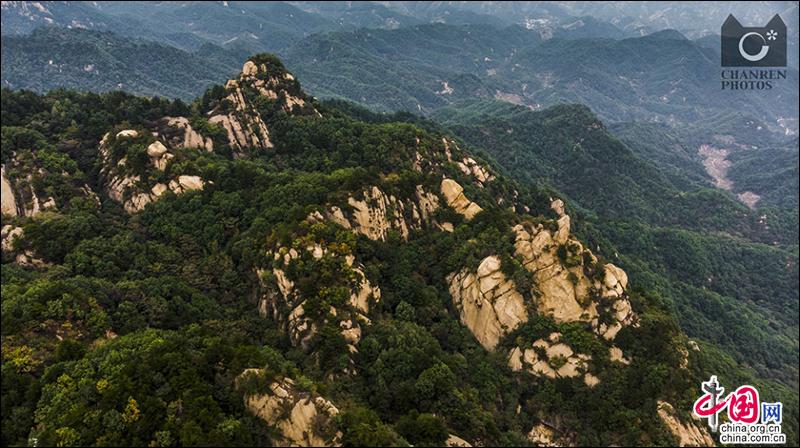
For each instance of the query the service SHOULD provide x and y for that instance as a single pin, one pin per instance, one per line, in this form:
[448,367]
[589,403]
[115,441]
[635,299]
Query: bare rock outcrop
[470,167]
[455,441]
[177,132]
[488,303]
[127,188]
[301,418]
[243,123]
[289,307]
[10,236]
[376,213]
[615,355]
[8,200]
[563,271]
[552,358]
[544,434]
[453,193]
[27,203]
[688,433]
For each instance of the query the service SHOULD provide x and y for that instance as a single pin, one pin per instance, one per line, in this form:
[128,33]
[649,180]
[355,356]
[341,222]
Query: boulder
[128,133]
[488,303]
[454,195]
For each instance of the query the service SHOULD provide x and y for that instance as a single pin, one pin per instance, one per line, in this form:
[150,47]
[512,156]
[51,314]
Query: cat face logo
[754,46]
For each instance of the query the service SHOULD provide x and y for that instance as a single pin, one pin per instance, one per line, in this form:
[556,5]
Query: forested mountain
[673,230]
[230,271]
[477,223]
[102,61]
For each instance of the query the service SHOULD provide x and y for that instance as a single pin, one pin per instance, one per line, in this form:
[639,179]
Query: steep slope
[416,69]
[101,61]
[333,281]
[697,247]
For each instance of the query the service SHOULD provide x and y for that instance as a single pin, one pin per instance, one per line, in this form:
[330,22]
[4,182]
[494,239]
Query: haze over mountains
[431,144]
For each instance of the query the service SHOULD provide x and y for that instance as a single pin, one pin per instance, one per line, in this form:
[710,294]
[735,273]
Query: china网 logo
[749,420]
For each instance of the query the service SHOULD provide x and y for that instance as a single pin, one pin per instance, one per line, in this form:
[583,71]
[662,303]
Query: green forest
[124,328]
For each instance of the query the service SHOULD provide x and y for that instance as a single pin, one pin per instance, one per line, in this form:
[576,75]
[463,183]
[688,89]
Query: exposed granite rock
[488,303]
[23,257]
[178,133]
[244,124]
[158,154]
[454,195]
[128,133]
[688,433]
[27,203]
[545,434]
[8,200]
[377,213]
[616,355]
[301,418]
[565,289]
[470,167]
[127,188]
[9,234]
[455,441]
[542,435]
[551,358]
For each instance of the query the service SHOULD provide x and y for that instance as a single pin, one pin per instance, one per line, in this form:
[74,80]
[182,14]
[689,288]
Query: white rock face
[616,355]
[30,208]
[565,291]
[128,133]
[559,294]
[542,435]
[378,213]
[187,137]
[470,167]
[301,418]
[454,195]
[688,434]
[8,201]
[455,441]
[186,183]
[244,125]
[553,359]
[370,215]
[488,303]
[158,154]
[9,234]
[568,282]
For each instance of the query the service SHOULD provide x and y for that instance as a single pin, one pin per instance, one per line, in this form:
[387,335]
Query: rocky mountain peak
[263,89]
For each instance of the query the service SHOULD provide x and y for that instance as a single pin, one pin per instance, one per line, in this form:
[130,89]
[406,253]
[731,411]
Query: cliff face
[300,417]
